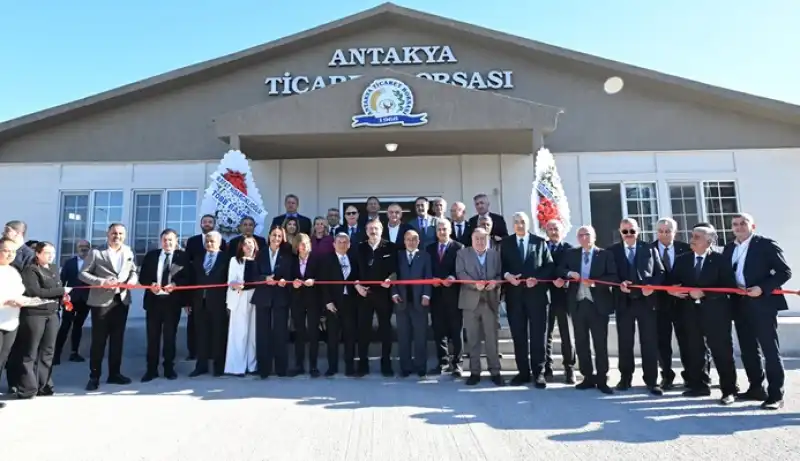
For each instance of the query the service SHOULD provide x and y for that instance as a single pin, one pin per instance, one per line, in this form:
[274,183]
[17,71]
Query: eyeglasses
[351,213]
[628,232]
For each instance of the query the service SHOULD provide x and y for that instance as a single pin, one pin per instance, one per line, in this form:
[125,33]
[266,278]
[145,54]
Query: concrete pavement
[233,419]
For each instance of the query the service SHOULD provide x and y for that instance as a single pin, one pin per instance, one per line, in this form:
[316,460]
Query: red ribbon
[438,282]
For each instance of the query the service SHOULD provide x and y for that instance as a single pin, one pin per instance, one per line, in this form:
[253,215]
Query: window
[721,203]
[685,203]
[641,204]
[78,210]
[157,210]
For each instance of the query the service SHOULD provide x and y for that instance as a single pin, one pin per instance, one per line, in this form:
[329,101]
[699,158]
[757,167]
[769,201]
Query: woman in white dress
[11,299]
[240,357]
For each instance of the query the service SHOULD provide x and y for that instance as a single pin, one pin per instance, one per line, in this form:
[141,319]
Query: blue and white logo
[387,102]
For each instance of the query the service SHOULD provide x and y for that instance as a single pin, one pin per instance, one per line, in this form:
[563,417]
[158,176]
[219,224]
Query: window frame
[91,193]
[700,189]
[623,192]
[164,193]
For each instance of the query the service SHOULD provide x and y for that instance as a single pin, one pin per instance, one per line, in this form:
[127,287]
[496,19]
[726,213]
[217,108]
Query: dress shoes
[118,379]
[520,380]
[149,376]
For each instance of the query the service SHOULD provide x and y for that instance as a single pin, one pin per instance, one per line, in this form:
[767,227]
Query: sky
[53,51]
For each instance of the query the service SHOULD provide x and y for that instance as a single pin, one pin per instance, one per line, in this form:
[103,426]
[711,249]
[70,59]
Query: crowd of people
[322,279]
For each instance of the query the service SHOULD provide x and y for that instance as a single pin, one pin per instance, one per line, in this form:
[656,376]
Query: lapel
[748,260]
[708,265]
[593,268]
[107,257]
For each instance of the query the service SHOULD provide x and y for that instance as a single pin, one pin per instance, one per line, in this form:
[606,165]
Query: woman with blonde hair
[240,356]
[321,241]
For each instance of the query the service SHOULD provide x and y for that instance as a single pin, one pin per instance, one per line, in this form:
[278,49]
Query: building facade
[662,146]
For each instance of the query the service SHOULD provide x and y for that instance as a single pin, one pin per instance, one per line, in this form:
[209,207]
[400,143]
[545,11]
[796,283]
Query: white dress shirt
[738,259]
[116,257]
[393,232]
[162,259]
[11,287]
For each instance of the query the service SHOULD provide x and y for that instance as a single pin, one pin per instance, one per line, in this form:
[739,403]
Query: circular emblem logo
[388,101]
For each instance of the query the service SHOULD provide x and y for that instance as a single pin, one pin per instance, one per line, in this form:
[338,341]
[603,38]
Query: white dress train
[240,356]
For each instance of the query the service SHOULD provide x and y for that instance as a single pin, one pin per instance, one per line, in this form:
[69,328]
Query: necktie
[667,260]
[410,258]
[459,230]
[631,255]
[698,266]
[165,270]
[442,247]
[586,257]
[208,263]
[345,267]
[521,248]
[552,246]
[352,232]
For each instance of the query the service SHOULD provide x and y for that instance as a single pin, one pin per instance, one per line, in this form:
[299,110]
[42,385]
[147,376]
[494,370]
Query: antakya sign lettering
[494,79]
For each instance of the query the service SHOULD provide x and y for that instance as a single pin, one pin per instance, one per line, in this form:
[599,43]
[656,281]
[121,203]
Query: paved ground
[233,419]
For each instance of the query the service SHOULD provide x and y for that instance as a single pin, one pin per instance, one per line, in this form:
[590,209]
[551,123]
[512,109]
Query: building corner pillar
[235,143]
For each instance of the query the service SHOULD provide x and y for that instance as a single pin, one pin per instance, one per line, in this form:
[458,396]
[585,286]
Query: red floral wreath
[546,210]
[237,180]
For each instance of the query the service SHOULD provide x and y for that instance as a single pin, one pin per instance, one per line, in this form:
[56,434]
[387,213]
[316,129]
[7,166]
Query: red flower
[546,210]
[237,180]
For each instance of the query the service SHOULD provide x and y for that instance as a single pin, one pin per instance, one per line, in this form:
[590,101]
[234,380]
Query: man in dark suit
[247,228]
[591,303]
[412,306]
[424,223]
[74,319]
[196,249]
[291,203]
[499,228]
[669,311]
[525,259]
[373,212]
[558,311]
[341,303]
[163,270]
[377,262]
[446,318]
[209,306]
[395,229]
[759,268]
[707,316]
[462,232]
[637,263]
[351,227]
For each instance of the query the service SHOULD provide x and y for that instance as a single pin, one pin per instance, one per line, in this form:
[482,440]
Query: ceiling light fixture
[391,147]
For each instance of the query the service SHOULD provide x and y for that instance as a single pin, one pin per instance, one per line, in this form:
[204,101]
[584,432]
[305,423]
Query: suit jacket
[401,232]
[322,245]
[180,274]
[360,236]
[443,268]
[305,296]
[70,278]
[195,247]
[716,272]
[538,264]
[499,228]
[234,245]
[419,268]
[427,234]
[665,300]
[217,275]
[647,270]
[765,267]
[303,221]
[261,268]
[377,265]
[468,268]
[603,268]
[466,234]
[558,296]
[98,267]
[362,220]
[332,271]
[42,282]
[25,256]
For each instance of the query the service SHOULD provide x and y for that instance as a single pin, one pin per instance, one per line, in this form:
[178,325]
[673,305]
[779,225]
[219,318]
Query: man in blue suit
[412,306]
[424,223]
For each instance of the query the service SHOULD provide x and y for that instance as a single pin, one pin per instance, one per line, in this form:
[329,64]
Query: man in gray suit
[412,306]
[107,267]
[424,223]
[480,303]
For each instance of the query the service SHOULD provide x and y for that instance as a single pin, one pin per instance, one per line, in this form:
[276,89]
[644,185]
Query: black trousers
[37,336]
[638,312]
[528,320]
[376,302]
[709,327]
[162,318]
[757,330]
[559,313]
[448,323]
[670,317]
[72,326]
[272,338]
[191,334]
[108,326]
[7,339]
[591,329]
[211,334]
[305,317]
[14,364]
[342,327]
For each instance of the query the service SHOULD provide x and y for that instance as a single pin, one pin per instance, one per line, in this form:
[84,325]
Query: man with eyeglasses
[638,263]
[351,227]
[74,319]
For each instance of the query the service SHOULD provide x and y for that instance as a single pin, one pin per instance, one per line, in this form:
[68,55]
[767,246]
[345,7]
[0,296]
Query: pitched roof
[389,12]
